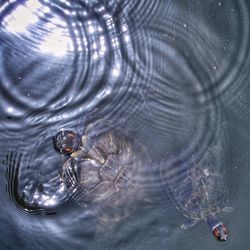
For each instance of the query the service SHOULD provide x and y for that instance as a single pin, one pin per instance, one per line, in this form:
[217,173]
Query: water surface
[174,74]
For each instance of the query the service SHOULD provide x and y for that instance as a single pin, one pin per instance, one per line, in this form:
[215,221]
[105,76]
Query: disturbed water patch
[174,74]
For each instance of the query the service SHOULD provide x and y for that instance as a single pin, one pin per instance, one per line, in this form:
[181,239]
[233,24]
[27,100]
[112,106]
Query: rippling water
[173,74]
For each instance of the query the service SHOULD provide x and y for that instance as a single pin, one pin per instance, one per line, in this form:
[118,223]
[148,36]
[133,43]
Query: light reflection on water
[174,74]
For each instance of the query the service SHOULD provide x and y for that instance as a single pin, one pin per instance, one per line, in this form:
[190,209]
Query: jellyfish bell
[66,142]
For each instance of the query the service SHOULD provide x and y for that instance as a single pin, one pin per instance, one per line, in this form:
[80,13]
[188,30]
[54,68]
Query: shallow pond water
[173,74]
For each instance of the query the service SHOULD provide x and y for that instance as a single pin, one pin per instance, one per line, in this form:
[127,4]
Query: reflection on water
[174,74]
